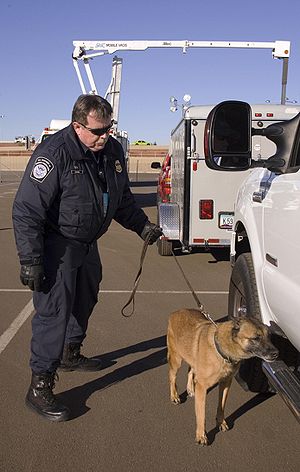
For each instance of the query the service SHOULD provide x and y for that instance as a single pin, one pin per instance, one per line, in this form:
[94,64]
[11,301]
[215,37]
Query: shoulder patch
[41,169]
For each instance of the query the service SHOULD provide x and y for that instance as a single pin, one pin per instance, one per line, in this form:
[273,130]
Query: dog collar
[226,358]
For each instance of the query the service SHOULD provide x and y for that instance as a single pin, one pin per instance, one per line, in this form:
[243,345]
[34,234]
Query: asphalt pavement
[122,418]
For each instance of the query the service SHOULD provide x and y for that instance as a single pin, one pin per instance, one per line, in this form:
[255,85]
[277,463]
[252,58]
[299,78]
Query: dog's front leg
[200,398]
[224,387]
[174,364]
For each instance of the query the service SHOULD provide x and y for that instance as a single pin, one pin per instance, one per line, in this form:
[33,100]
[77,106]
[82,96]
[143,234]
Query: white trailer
[201,208]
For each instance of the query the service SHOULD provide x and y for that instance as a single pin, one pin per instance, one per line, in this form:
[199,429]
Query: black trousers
[73,274]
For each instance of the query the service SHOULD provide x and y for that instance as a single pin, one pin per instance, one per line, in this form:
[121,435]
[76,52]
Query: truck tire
[243,300]
[164,247]
[243,296]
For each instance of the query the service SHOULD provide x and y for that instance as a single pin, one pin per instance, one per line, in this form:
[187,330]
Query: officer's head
[92,120]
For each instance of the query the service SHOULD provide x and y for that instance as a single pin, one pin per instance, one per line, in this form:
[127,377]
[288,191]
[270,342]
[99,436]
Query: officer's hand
[151,231]
[33,276]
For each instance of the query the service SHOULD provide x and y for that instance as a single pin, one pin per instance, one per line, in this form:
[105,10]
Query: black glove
[33,276]
[151,231]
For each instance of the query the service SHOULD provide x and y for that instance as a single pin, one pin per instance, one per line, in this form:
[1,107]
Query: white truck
[265,242]
[200,212]
[55,125]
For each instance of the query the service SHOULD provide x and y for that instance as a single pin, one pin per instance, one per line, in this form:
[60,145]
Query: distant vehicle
[20,139]
[164,179]
[141,143]
[24,139]
[27,140]
[55,125]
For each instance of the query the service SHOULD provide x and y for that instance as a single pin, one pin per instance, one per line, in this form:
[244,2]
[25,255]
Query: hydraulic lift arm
[86,50]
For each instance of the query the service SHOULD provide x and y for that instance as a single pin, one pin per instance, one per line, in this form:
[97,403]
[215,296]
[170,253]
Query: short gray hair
[86,104]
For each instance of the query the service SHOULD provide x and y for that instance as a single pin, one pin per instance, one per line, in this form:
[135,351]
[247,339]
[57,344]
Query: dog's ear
[236,323]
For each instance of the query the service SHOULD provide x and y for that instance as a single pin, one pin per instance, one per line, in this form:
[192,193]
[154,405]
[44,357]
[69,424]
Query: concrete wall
[13,163]
[139,160]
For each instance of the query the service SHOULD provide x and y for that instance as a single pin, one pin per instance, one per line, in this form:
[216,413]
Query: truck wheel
[243,296]
[164,247]
[243,300]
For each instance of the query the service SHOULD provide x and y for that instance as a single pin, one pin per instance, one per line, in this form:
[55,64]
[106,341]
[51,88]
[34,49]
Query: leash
[137,281]
[199,304]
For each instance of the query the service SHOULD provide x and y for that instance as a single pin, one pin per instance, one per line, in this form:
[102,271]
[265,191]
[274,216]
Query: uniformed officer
[74,185]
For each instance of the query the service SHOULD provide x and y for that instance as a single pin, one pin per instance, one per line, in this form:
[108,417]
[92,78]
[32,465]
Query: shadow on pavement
[252,403]
[77,397]
[219,254]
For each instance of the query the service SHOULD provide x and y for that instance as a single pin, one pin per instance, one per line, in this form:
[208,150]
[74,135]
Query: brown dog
[213,353]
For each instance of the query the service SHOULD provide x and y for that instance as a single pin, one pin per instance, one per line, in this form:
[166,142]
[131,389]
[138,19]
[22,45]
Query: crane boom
[280,49]
[86,50]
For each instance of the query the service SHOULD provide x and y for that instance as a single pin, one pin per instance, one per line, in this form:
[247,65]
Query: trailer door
[212,196]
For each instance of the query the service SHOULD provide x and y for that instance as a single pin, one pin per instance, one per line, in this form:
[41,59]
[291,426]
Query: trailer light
[206,209]
[213,241]
[199,240]
[258,114]
[195,166]
[270,115]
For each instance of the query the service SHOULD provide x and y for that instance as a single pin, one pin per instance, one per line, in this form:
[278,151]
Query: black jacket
[60,192]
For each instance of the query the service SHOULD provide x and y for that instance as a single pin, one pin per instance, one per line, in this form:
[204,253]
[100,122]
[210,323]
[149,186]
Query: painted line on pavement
[7,336]
[204,292]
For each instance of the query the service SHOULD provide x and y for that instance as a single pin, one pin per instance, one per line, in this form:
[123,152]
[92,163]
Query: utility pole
[1,116]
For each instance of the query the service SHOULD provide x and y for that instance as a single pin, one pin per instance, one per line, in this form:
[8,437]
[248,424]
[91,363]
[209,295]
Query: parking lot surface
[122,418]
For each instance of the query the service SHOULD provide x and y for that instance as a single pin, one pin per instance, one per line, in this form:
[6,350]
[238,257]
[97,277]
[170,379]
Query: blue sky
[38,81]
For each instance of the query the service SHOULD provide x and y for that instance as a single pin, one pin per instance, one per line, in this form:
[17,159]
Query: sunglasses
[98,131]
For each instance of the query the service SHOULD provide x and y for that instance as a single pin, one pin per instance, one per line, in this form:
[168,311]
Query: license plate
[226,220]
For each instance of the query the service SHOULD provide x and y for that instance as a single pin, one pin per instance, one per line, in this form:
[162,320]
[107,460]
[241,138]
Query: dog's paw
[175,400]
[223,426]
[190,392]
[202,440]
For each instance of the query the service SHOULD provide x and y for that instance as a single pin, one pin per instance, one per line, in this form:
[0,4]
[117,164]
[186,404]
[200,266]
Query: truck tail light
[206,209]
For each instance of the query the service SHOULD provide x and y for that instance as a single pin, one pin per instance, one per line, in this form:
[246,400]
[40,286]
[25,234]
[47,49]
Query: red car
[164,181]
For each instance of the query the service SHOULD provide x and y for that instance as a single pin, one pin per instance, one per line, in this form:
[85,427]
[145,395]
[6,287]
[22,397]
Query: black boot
[74,360]
[40,398]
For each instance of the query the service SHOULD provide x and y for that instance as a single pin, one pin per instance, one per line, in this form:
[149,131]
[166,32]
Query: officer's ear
[75,125]
[77,128]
